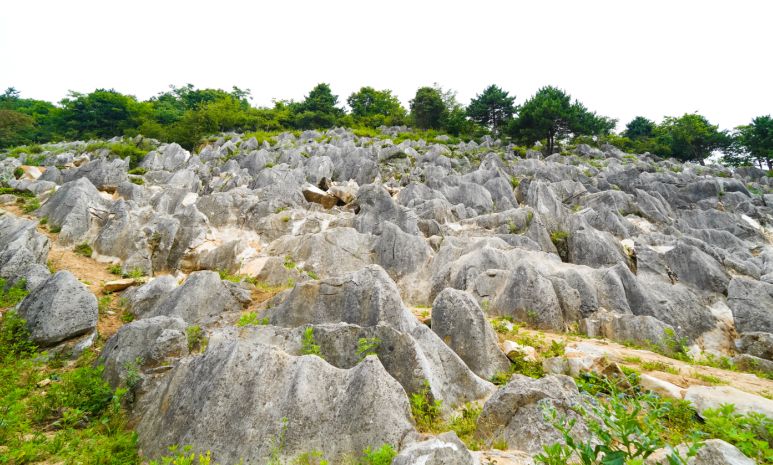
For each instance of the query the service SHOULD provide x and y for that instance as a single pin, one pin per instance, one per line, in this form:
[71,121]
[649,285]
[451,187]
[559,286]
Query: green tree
[102,113]
[371,107]
[15,128]
[493,108]
[639,128]
[691,137]
[756,141]
[428,108]
[550,115]
[318,110]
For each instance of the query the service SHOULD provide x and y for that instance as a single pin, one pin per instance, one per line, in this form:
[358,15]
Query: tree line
[551,117]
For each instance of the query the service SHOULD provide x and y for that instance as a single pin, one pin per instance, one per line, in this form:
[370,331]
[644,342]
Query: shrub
[31,205]
[750,433]
[251,319]
[308,344]
[425,409]
[10,296]
[137,181]
[367,346]
[464,425]
[197,340]
[83,249]
[381,456]
[14,337]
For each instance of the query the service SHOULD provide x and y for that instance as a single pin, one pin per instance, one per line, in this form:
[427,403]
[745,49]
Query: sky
[620,58]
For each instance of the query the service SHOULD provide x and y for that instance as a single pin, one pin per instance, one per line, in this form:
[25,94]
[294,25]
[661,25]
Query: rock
[713,452]
[76,208]
[756,343]
[746,362]
[317,195]
[697,268]
[141,300]
[712,397]
[514,414]
[60,308]
[201,298]
[641,329]
[750,302]
[258,392]
[118,285]
[660,387]
[23,252]
[443,449]
[460,322]
[142,344]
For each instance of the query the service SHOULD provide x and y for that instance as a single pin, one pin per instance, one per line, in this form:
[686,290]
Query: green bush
[30,205]
[10,296]
[426,410]
[83,249]
[251,319]
[750,433]
[197,340]
[367,346]
[308,343]
[14,337]
[381,456]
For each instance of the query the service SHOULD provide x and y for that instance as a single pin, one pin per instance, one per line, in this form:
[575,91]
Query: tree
[428,108]
[318,109]
[756,141]
[551,115]
[639,128]
[493,108]
[15,128]
[691,137]
[374,108]
[102,113]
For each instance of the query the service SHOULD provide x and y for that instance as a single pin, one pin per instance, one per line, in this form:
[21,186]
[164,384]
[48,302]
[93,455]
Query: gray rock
[443,449]
[697,268]
[515,413]
[640,329]
[460,322]
[142,344]
[756,343]
[60,308]
[245,394]
[751,302]
[142,299]
[76,207]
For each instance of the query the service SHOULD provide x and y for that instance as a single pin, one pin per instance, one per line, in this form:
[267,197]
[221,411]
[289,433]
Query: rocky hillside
[315,295]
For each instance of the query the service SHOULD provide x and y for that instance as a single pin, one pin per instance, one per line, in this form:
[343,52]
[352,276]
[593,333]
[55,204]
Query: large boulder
[246,396]
[751,301]
[514,414]
[641,329]
[60,308]
[76,208]
[697,268]
[756,343]
[712,397]
[23,252]
[443,449]
[460,322]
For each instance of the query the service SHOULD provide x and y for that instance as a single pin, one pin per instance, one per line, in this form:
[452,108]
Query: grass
[10,296]
[706,378]
[104,303]
[426,410]
[559,239]
[83,249]
[30,205]
[658,365]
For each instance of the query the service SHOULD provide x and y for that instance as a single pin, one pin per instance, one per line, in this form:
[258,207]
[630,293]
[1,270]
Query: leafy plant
[367,346]
[10,296]
[308,343]
[197,340]
[426,409]
[381,456]
[251,319]
[31,205]
[83,249]
[750,433]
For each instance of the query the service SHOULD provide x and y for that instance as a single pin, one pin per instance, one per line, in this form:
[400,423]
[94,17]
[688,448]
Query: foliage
[30,205]
[639,128]
[464,423]
[493,108]
[750,433]
[14,337]
[183,456]
[551,115]
[308,343]
[197,340]
[83,249]
[426,409]
[367,346]
[373,108]
[428,108]
[251,319]
[691,137]
[753,143]
[559,239]
[10,295]
[381,456]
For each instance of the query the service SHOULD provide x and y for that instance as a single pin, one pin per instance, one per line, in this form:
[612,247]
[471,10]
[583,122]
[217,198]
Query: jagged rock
[317,195]
[258,392]
[750,302]
[641,329]
[141,300]
[75,208]
[60,308]
[443,449]
[460,322]
[23,251]
[514,413]
[697,268]
[202,297]
[142,344]
[746,362]
[118,285]
[756,343]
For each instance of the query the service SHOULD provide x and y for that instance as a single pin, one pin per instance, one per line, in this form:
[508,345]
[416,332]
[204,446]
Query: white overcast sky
[621,58]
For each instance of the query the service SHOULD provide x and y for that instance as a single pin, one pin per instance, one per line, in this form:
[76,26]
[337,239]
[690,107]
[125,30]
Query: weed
[133,375]
[103,304]
[308,343]
[706,378]
[426,409]
[10,296]
[31,205]
[136,180]
[83,249]
[251,319]
[559,239]
[197,340]
[289,263]
[381,456]
[43,221]
[367,346]
[464,425]
[55,229]
[115,269]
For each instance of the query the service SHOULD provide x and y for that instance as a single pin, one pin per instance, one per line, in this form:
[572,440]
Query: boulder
[514,414]
[751,301]
[640,329]
[712,397]
[60,308]
[697,268]
[247,395]
[76,208]
[443,449]
[460,322]
[315,194]
[756,343]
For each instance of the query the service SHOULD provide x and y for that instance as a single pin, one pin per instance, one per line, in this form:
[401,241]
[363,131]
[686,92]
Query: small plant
[676,346]
[285,219]
[515,182]
[31,205]
[115,269]
[197,341]
[138,171]
[556,349]
[14,337]
[750,433]
[464,425]
[499,444]
[312,275]
[289,263]
[56,229]
[425,409]
[308,343]
[136,180]
[135,273]
[559,239]
[251,319]
[367,346]
[183,456]
[278,444]
[83,249]
[381,456]
[43,221]
[103,304]
[710,379]
[133,375]
[10,296]
[311,458]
